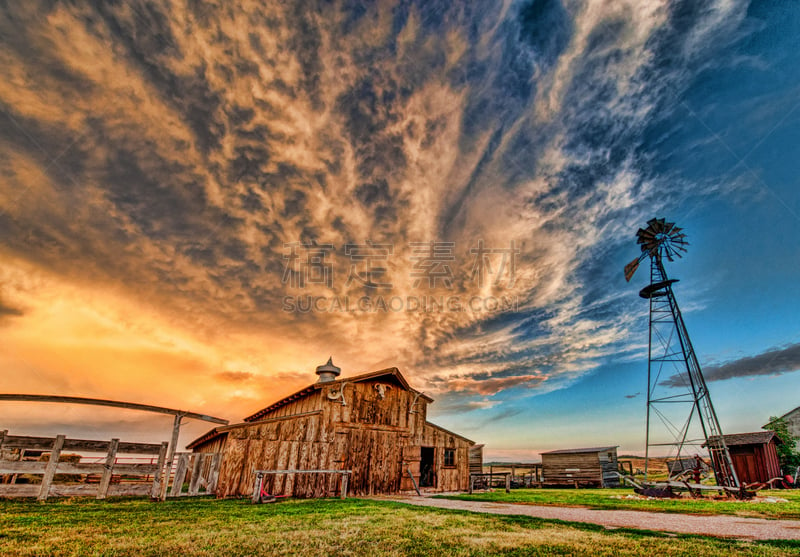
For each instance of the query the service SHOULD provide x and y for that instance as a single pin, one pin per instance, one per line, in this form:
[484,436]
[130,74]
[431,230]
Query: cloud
[235,376]
[9,311]
[633,395]
[170,156]
[776,361]
[492,385]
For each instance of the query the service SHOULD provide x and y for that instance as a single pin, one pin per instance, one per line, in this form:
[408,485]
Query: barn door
[409,468]
[427,467]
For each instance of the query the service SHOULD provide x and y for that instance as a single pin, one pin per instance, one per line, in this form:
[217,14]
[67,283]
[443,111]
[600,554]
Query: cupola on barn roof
[328,372]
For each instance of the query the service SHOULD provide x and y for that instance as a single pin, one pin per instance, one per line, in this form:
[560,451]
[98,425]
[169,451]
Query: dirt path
[722,526]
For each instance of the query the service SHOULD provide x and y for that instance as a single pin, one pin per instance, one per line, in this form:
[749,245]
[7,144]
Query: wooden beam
[155,491]
[180,474]
[110,403]
[194,483]
[50,470]
[173,447]
[88,445]
[111,458]
[413,481]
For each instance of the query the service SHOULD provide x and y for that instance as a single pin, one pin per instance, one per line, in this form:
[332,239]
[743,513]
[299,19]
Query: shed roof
[392,371]
[753,438]
[587,450]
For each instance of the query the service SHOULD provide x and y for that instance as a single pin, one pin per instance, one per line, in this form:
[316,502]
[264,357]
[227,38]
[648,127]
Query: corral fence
[517,474]
[45,467]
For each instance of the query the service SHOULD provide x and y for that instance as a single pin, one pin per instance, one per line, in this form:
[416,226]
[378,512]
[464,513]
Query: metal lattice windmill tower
[680,414]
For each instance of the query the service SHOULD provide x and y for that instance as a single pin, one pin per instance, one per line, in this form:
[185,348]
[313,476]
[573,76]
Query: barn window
[450,458]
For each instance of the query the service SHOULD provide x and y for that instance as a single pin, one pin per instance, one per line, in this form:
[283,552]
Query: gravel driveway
[723,526]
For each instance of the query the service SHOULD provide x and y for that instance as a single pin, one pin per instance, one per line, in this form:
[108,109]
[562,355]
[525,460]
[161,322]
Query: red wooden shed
[754,455]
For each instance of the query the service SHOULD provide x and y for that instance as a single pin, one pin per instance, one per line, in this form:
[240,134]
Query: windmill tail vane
[631,267]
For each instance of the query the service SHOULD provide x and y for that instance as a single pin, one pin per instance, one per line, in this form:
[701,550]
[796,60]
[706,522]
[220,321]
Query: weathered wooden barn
[373,424]
[792,419]
[754,455]
[596,466]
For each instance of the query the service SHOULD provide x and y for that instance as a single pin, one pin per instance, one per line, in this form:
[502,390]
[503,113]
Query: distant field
[618,499]
[206,527]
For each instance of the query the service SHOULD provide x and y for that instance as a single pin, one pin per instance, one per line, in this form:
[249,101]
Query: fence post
[345,477]
[508,483]
[173,447]
[50,469]
[105,480]
[259,485]
[158,478]
[180,474]
[194,484]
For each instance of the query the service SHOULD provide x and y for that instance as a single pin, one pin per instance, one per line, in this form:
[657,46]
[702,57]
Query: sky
[202,201]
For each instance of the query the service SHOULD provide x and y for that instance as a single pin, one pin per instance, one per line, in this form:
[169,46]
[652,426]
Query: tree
[788,457]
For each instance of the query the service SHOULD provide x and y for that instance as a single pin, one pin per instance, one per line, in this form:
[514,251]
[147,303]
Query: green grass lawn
[615,499]
[322,527]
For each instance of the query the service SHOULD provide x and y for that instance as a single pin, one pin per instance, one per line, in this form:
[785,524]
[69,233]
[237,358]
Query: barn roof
[789,413]
[207,436]
[448,432]
[388,372]
[754,438]
[587,450]
[223,430]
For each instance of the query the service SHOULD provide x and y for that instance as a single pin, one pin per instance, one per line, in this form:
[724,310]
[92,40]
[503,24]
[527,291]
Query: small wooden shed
[372,424]
[595,466]
[754,455]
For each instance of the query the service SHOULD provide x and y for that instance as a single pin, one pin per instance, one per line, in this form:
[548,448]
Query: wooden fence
[13,463]
[190,474]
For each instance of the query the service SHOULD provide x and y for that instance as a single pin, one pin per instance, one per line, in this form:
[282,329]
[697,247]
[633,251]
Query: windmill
[675,383]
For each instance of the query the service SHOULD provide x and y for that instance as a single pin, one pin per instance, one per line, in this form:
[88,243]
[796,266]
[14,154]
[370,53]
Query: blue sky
[159,163]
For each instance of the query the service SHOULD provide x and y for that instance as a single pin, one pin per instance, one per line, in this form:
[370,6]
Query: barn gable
[389,376]
[792,419]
